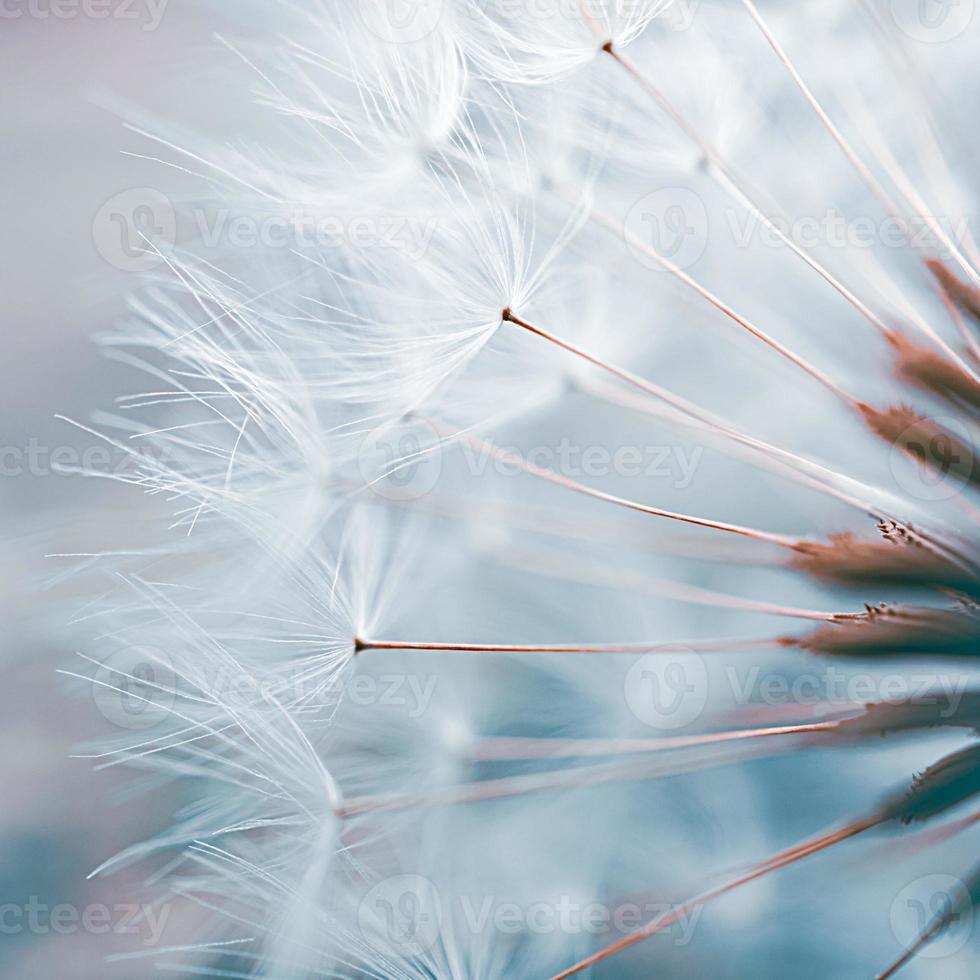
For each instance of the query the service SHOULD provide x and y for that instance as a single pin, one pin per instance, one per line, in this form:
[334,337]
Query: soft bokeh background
[60,162]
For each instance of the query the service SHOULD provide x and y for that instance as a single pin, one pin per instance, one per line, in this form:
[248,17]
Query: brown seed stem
[872,182]
[770,537]
[511,749]
[511,786]
[719,304]
[790,856]
[630,647]
[725,176]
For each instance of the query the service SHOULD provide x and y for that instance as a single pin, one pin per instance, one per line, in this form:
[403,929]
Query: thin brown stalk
[630,647]
[783,462]
[770,537]
[790,856]
[941,920]
[509,316]
[725,176]
[511,786]
[512,749]
[695,415]
[561,565]
[724,308]
[872,182]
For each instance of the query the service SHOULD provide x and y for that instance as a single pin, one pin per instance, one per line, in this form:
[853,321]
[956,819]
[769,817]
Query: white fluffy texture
[539,41]
[311,415]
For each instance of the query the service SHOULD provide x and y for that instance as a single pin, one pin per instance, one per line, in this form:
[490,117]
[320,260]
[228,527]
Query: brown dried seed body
[932,371]
[945,784]
[966,297]
[912,715]
[902,557]
[902,631]
[923,440]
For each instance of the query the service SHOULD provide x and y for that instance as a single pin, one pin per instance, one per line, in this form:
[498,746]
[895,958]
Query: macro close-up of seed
[492,489]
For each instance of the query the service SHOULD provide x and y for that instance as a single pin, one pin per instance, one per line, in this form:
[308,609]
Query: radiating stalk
[705,646]
[770,537]
[781,860]
[873,184]
[724,175]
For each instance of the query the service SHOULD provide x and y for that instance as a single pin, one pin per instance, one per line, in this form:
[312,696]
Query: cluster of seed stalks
[280,572]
